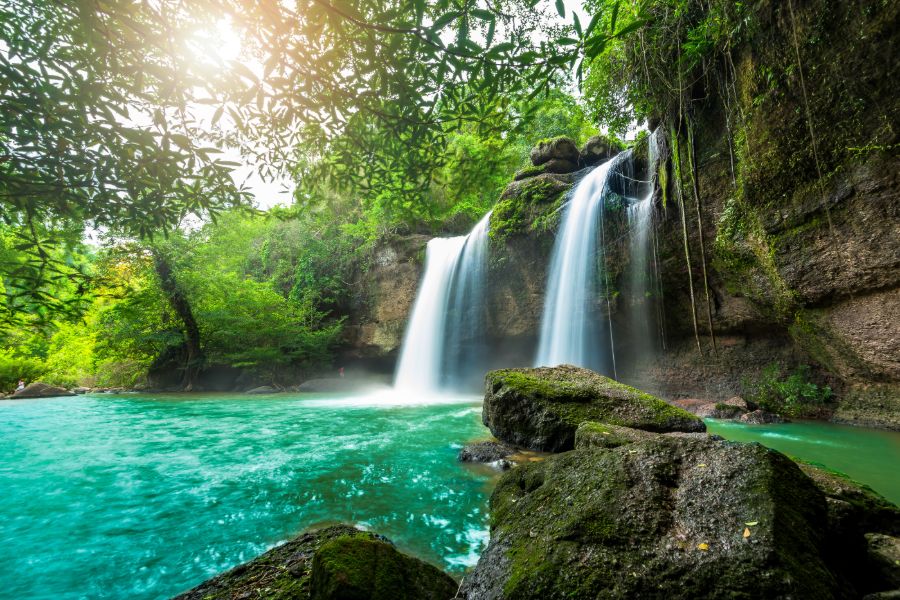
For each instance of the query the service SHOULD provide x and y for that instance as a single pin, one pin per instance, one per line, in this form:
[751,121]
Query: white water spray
[446,313]
[570,330]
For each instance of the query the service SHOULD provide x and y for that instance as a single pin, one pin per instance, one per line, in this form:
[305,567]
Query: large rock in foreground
[41,390]
[541,408]
[335,563]
[677,517]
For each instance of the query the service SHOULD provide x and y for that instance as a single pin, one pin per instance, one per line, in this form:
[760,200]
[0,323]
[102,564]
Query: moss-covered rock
[562,148]
[353,564]
[668,517]
[541,408]
[526,205]
[353,567]
[591,434]
[599,148]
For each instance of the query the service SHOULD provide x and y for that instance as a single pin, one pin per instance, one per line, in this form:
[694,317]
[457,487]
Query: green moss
[577,395]
[592,434]
[528,206]
[530,171]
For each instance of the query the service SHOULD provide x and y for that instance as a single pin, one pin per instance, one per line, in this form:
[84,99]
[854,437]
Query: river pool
[142,497]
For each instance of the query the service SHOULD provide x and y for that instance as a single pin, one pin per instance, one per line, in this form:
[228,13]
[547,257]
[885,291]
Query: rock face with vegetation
[335,563]
[383,294]
[541,408]
[796,169]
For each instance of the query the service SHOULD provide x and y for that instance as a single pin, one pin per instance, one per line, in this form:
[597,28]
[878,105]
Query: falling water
[571,333]
[446,318]
[640,272]
[643,280]
[465,324]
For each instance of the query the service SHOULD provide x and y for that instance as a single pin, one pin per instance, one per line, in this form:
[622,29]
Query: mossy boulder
[338,562]
[599,148]
[599,435]
[562,148]
[680,517]
[541,408]
[358,568]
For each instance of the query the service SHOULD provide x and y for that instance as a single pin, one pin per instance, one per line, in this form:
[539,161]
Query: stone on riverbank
[486,451]
[41,390]
[672,516]
[541,408]
[334,563]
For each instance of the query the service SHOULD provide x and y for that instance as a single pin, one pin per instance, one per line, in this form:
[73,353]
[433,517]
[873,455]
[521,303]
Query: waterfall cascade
[571,332]
[442,345]
[643,277]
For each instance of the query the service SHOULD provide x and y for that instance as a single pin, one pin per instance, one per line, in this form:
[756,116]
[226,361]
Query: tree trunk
[182,308]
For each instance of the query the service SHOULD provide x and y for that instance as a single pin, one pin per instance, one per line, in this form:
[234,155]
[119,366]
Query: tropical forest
[449,299]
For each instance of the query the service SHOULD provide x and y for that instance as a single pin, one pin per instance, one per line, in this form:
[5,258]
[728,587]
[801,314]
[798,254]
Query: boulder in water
[680,517]
[562,147]
[336,562]
[41,390]
[365,567]
[541,408]
[488,451]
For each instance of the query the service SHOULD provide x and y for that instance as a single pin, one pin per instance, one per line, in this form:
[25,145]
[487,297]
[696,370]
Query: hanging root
[692,163]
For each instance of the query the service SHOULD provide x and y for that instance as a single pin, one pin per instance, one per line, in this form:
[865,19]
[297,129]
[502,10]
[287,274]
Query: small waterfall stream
[571,332]
[441,345]
[643,278]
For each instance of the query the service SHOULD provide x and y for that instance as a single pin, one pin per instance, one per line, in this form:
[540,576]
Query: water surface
[142,497]
[870,456]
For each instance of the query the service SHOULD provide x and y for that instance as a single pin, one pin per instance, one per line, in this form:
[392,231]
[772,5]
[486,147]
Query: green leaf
[561,8]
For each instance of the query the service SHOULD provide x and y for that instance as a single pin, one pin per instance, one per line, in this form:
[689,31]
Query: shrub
[791,394]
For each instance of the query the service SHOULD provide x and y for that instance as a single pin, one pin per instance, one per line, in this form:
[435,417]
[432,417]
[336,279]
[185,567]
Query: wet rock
[556,148]
[351,567]
[81,390]
[263,389]
[488,451]
[597,435]
[884,558]
[540,409]
[337,562]
[738,402]
[598,149]
[529,171]
[761,417]
[560,165]
[667,517]
[41,390]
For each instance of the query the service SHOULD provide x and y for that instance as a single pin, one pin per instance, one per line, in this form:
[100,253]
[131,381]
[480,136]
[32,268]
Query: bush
[14,368]
[792,395]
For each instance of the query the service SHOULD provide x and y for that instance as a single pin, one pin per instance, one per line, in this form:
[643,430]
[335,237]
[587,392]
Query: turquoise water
[870,456]
[141,497]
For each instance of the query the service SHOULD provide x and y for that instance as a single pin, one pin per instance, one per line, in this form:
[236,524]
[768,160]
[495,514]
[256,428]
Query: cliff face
[799,210]
[384,290]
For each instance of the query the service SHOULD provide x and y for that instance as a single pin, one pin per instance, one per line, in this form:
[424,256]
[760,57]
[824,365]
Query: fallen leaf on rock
[702,465]
[746,532]
[704,546]
[751,523]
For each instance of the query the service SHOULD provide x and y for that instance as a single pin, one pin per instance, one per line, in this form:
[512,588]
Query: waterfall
[441,345]
[571,332]
[643,279]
